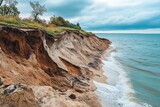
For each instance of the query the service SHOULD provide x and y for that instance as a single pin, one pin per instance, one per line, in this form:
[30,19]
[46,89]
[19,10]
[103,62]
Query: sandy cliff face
[39,70]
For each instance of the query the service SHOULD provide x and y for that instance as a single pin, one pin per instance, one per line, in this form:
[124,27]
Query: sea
[132,68]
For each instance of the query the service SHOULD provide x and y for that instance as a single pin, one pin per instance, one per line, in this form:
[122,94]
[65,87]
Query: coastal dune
[39,70]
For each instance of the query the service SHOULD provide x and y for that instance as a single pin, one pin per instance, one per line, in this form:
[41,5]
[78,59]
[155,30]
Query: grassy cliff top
[52,30]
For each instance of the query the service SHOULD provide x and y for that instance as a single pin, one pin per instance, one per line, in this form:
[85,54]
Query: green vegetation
[9,8]
[54,31]
[59,21]
[9,16]
[16,21]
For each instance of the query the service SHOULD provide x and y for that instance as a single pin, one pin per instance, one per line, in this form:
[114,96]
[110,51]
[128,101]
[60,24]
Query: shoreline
[103,78]
[118,91]
[99,76]
[105,89]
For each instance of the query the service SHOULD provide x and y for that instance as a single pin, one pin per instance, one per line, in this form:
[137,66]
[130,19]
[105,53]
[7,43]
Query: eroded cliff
[39,70]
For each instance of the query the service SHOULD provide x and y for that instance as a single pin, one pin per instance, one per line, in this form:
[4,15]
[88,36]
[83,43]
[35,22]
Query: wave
[118,92]
[145,62]
[141,69]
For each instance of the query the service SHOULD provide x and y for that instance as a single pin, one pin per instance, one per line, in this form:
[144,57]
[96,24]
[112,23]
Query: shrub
[59,21]
[9,8]
[9,11]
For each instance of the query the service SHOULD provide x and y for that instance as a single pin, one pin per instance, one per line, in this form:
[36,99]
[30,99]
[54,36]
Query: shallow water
[133,70]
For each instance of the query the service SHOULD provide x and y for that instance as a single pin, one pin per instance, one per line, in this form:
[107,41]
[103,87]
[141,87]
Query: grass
[54,31]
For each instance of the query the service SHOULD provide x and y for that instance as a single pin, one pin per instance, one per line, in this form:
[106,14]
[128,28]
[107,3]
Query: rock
[91,65]
[12,88]
[9,90]
[72,96]
[23,98]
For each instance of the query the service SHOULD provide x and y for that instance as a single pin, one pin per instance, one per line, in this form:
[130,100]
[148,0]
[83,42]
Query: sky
[102,15]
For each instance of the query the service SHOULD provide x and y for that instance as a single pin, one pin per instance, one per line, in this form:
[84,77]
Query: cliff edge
[38,70]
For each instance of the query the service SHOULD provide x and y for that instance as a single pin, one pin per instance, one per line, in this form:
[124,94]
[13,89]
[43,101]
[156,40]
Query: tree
[37,10]
[78,25]
[9,8]
[60,21]
[9,11]
[1,1]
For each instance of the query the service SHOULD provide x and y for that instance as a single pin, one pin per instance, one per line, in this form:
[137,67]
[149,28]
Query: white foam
[119,91]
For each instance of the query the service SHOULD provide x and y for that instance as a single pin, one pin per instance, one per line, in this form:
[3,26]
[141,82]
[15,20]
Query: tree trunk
[35,17]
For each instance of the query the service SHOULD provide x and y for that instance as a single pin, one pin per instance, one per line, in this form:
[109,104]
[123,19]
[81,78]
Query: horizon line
[142,31]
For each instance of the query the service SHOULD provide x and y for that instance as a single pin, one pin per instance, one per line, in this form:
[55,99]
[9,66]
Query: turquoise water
[139,54]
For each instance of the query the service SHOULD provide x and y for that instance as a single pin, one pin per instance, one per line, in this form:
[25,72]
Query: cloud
[64,8]
[121,14]
[68,9]
[102,14]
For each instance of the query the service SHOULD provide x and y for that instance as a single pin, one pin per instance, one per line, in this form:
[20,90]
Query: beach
[130,71]
[115,92]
